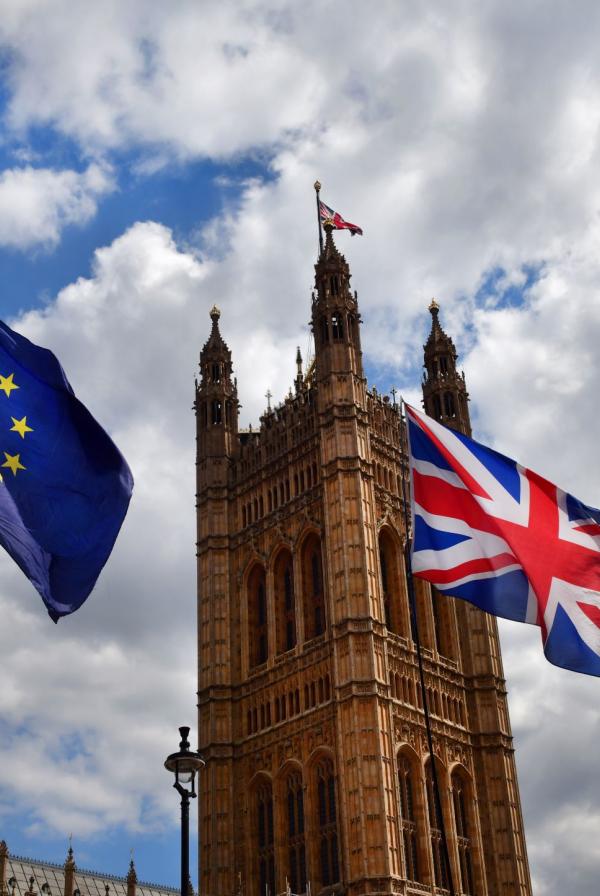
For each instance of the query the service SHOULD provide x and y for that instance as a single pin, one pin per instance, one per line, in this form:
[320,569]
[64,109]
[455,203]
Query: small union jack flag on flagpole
[492,532]
[328,216]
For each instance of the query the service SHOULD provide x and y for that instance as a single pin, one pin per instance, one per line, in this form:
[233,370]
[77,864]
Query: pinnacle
[215,342]
[330,250]
[131,874]
[437,334]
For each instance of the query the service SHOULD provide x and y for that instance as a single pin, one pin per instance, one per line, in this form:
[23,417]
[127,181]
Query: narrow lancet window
[312,587]
[440,873]
[337,326]
[285,608]
[266,841]
[463,833]
[257,618]
[296,842]
[408,819]
[217,412]
[449,408]
[327,824]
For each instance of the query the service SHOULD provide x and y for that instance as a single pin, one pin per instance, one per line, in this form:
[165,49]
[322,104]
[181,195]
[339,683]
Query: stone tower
[310,714]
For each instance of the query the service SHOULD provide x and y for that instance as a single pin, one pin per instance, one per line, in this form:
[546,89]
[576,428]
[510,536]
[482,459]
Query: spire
[69,867]
[445,394]
[335,316]
[215,343]
[437,338]
[216,395]
[299,381]
[330,256]
[131,874]
[131,878]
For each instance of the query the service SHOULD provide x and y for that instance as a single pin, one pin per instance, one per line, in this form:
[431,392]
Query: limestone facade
[310,712]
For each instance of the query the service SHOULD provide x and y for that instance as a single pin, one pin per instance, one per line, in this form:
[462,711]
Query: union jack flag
[492,532]
[328,216]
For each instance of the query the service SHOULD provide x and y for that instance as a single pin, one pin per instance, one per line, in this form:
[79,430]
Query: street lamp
[184,764]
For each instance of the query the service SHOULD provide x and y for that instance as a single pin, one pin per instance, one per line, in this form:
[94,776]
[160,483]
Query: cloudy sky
[152,165]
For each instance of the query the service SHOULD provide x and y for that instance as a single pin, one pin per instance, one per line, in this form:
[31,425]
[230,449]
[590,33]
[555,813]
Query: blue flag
[65,485]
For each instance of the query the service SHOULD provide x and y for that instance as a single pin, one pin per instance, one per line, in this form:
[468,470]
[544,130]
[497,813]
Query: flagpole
[417,640]
[317,187]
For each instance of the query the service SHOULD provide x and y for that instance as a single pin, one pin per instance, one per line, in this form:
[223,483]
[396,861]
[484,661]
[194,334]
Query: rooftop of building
[25,876]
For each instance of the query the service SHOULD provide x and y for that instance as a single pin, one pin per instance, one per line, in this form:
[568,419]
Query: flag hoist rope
[417,640]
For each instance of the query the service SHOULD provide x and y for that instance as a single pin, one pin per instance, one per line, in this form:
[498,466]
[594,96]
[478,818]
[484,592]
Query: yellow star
[7,385]
[13,463]
[20,426]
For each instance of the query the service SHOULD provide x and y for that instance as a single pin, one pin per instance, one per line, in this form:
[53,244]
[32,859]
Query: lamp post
[184,764]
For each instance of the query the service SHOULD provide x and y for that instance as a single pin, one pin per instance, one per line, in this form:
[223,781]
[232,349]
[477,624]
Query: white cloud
[36,204]
[462,140]
[129,339]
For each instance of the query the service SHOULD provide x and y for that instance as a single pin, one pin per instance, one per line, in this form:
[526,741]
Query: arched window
[295,831]
[337,326]
[257,616]
[351,327]
[422,602]
[408,820]
[460,801]
[324,330]
[449,408]
[266,840]
[437,407]
[444,364]
[217,412]
[329,862]
[440,872]
[385,587]
[215,372]
[393,595]
[441,607]
[312,587]
[285,604]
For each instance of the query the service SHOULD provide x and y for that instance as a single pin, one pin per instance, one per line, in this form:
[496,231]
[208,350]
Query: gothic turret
[335,319]
[69,867]
[131,879]
[216,397]
[445,394]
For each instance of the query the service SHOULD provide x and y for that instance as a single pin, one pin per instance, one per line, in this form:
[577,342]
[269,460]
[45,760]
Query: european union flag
[65,485]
